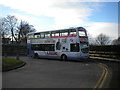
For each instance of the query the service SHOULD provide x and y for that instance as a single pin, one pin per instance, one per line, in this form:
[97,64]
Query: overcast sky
[97,16]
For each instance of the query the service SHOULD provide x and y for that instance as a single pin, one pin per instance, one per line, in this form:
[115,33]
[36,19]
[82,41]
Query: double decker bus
[64,44]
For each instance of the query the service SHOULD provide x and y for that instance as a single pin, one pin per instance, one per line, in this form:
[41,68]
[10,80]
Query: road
[114,66]
[44,73]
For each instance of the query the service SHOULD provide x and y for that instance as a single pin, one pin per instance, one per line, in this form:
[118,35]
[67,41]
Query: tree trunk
[5,50]
[17,51]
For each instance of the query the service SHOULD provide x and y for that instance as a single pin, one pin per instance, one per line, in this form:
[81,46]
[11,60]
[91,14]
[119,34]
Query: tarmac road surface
[44,73]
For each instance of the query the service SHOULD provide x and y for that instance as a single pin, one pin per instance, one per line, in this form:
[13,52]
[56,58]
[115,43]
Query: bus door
[65,46]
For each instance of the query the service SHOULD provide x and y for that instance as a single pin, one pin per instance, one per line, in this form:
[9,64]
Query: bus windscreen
[82,33]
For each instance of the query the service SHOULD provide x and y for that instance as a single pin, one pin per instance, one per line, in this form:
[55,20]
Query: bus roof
[58,30]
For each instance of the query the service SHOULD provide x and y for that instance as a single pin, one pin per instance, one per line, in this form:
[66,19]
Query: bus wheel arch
[63,57]
[36,55]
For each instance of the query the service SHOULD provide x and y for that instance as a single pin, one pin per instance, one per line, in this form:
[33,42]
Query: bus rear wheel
[36,55]
[64,57]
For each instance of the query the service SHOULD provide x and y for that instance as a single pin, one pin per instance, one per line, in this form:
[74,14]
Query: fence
[10,49]
[107,51]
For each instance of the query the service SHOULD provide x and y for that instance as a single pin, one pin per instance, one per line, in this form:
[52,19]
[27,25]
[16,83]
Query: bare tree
[24,28]
[21,33]
[102,39]
[12,23]
[4,29]
[17,30]
[91,39]
[116,41]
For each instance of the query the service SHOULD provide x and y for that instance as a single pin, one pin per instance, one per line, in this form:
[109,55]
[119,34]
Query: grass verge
[10,63]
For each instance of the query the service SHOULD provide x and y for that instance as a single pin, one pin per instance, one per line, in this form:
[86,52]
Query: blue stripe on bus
[29,51]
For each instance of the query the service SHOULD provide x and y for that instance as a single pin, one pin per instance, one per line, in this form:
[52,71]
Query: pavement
[44,73]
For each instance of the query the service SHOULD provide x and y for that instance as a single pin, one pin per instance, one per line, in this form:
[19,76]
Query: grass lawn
[10,63]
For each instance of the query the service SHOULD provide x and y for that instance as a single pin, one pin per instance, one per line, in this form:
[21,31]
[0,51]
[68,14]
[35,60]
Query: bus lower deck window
[74,47]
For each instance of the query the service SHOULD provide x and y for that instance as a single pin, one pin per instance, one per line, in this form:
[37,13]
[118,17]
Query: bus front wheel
[64,57]
[36,55]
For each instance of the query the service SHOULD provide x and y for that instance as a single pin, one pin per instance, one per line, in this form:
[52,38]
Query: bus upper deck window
[37,35]
[72,32]
[30,36]
[64,33]
[47,35]
[55,33]
[42,35]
